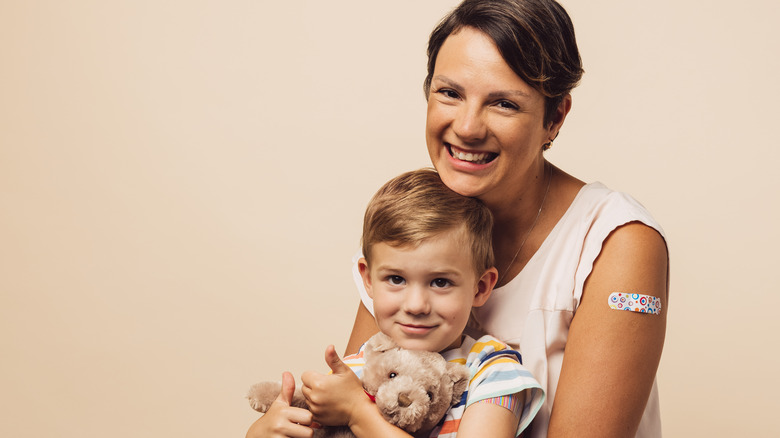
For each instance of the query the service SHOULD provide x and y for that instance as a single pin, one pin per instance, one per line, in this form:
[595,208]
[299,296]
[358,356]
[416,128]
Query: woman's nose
[469,124]
[416,301]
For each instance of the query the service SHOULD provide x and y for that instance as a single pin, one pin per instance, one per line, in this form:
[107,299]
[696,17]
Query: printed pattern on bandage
[635,302]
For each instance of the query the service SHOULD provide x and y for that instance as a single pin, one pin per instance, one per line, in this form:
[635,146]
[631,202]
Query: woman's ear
[485,286]
[558,118]
[365,273]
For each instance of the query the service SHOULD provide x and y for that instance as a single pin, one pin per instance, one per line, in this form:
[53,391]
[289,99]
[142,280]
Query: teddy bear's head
[413,389]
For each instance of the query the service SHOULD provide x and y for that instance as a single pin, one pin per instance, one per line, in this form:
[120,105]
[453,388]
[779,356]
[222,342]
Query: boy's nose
[416,301]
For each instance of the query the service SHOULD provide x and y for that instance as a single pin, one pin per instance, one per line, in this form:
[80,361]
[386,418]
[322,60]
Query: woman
[499,77]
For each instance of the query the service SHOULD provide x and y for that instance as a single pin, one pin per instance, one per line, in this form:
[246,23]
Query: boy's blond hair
[417,205]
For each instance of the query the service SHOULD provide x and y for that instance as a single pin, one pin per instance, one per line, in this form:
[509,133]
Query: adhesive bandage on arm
[635,302]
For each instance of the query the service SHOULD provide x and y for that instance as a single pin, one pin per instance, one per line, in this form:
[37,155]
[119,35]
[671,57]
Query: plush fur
[413,389]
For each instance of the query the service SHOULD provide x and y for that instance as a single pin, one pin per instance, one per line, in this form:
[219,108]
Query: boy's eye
[396,280]
[440,282]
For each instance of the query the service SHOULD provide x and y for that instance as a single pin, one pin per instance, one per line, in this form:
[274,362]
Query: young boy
[427,261]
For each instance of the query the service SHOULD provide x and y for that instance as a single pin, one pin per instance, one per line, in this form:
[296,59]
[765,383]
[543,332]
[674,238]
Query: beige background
[182,185]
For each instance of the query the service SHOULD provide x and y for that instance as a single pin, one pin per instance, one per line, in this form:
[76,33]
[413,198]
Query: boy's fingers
[288,388]
[300,416]
[334,362]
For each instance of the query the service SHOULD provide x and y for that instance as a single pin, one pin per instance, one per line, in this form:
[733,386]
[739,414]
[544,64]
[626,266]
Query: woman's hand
[283,420]
[333,398]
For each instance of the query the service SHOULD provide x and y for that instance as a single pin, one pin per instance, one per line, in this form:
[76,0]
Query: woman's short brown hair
[535,38]
[417,205]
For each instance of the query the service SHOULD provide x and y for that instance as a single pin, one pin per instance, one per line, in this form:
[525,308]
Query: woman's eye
[446,92]
[395,280]
[440,282]
[507,105]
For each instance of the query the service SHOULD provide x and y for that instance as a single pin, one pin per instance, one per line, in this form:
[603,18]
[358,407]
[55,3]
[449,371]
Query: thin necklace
[538,213]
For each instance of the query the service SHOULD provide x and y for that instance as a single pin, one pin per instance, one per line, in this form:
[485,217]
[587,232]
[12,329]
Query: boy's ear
[365,273]
[485,286]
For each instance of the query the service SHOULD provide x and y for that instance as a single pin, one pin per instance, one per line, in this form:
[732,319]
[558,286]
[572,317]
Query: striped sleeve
[514,403]
[497,372]
[355,362]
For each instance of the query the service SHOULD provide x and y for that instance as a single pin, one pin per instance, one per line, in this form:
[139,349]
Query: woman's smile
[468,156]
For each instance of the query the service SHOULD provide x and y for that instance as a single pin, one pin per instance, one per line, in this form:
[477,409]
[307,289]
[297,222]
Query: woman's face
[485,127]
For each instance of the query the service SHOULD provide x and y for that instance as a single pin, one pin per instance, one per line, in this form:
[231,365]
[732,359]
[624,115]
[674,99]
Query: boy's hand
[333,398]
[283,420]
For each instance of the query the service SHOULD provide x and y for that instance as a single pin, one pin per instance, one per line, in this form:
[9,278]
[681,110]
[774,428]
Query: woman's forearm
[364,328]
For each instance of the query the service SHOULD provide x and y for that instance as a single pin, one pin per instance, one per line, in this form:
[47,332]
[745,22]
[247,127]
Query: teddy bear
[412,389]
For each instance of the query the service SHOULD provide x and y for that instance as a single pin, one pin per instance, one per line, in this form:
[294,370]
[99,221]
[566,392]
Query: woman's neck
[517,221]
[513,220]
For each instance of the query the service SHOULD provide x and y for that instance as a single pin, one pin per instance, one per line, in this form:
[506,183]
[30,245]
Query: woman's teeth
[472,158]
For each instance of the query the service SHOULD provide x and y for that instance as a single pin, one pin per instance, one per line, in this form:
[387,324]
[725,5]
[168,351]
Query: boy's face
[423,295]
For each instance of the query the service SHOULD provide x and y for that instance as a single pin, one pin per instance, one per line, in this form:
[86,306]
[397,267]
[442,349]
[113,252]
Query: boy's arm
[488,419]
[283,420]
[503,396]
[368,422]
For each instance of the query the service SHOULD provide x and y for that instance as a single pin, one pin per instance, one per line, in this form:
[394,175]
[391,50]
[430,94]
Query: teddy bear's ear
[380,342]
[459,375]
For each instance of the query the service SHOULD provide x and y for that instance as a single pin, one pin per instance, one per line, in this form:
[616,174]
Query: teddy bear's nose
[404,401]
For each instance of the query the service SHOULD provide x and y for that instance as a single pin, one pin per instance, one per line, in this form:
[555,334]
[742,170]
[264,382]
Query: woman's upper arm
[364,328]
[611,356]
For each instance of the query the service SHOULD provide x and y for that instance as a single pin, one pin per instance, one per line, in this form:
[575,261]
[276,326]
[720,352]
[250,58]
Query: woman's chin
[462,181]
[463,184]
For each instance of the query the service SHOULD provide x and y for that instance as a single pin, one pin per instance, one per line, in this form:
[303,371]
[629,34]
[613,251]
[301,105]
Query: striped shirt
[496,376]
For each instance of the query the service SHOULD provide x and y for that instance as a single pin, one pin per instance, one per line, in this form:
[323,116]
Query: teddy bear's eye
[392,375]
[430,395]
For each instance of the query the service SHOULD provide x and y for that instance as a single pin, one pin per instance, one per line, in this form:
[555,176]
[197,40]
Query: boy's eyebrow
[452,272]
[385,268]
[434,272]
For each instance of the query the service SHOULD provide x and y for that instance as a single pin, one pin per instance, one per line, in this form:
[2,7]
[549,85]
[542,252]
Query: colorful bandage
[635,302]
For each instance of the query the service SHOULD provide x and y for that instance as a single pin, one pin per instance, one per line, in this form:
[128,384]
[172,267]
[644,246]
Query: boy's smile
[423,294]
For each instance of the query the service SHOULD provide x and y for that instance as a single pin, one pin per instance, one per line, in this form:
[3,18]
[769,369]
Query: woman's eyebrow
[449,82]
[508,93]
